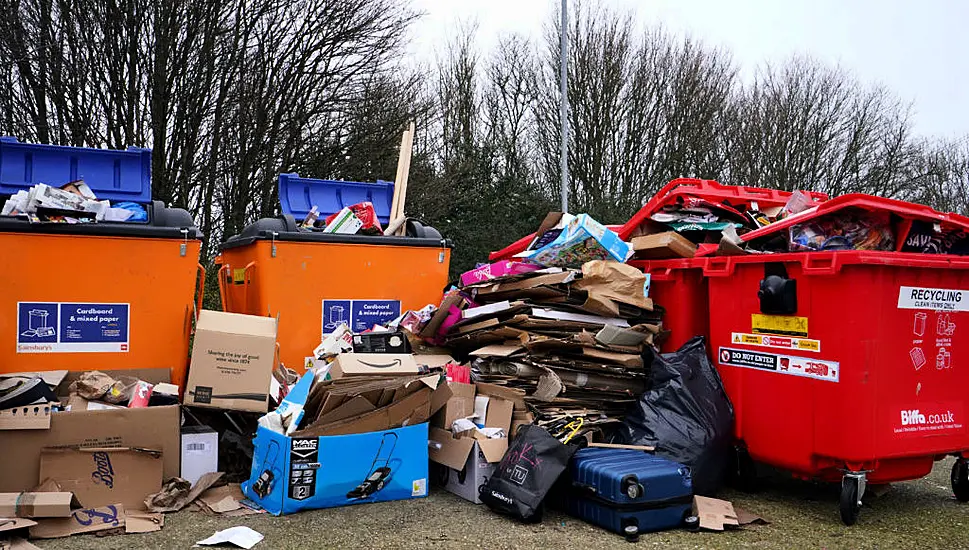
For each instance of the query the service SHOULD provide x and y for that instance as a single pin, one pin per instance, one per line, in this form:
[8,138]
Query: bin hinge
[272,251]
[183,248]
[440,254]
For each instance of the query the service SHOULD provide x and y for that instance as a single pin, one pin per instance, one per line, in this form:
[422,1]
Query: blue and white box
[290,474]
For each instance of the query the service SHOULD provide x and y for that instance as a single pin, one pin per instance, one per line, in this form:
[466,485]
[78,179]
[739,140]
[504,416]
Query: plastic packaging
[364,211]
[685,415]
[848,230]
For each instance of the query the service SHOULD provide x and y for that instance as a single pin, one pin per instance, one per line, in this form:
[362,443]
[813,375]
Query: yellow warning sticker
[781,342]
[778,324]
[238,275]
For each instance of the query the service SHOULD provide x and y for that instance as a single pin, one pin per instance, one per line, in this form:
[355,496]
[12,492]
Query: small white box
[200,452]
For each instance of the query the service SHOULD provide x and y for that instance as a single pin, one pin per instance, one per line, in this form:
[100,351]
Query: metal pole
[564,105]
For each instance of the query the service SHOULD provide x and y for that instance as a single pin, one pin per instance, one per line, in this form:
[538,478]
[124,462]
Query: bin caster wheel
[691,523]
[743,471]
[631,532]
[960,480]
[850,505]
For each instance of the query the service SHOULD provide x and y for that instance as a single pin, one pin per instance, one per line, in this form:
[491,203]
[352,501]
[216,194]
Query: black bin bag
[685,415]
[529,469]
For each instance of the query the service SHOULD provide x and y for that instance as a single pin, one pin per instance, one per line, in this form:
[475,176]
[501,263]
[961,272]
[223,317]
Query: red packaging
[458,373]
[141,395]
[367,214]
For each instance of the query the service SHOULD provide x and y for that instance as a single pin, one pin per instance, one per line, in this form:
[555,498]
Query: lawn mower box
[290,474]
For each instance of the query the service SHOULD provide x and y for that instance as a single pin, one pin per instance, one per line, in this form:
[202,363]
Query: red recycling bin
[679,285]
[681,289]
[851,366]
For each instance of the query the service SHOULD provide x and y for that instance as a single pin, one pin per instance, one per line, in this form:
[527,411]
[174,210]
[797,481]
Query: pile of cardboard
[571,339]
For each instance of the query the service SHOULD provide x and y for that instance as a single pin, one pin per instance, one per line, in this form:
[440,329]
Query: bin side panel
[897,398]
[85,303]
[294,284]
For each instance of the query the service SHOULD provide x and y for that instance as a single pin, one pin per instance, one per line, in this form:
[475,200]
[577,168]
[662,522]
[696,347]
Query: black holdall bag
[527,472]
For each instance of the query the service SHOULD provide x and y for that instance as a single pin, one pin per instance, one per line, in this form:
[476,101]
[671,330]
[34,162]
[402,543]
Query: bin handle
[718,266]
[829,265]
[245,285]
[223,278]
[201,293]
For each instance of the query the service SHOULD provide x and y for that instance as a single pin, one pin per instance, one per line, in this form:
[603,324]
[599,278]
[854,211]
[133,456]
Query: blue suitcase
[627,491]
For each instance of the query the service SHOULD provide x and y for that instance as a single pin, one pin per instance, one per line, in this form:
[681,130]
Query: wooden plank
[396,225]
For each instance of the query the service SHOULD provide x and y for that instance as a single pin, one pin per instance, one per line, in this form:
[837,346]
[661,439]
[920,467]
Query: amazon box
[149,427]
[355,364]
[232,362]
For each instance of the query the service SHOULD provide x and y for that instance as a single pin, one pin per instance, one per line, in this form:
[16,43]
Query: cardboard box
[355,364]
[104,476]
[661,246]
[151,427]
[583,240]
[290,474]
[380,342]
[37,505]
[200,452]
[232,361]
[364,440]
[459,405]
[465,463]
[469,458]
[345,223]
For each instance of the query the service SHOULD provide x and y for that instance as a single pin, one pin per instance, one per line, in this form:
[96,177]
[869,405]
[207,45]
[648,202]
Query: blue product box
[583,240]
[290,474]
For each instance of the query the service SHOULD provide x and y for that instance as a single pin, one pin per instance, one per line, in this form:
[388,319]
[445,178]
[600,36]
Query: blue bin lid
[112,174]
[298,195]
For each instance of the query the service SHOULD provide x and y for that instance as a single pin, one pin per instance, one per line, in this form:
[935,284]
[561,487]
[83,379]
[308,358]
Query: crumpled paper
[178,493]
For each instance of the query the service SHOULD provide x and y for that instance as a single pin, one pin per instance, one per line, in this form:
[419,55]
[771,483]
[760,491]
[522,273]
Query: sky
[919,49]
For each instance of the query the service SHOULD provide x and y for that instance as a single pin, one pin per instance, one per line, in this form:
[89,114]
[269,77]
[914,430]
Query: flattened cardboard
[232,361]
[143,522]
[615,336]
[451,299]
[714,514]
[99,476]
[86,520]
[497,350]
[37,505]
[12,524]
[17,543]
[660,246]
[359,364]
[28,417]
[149,427]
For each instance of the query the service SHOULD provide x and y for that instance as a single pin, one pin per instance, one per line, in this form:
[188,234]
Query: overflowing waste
[534,381]
[71,203]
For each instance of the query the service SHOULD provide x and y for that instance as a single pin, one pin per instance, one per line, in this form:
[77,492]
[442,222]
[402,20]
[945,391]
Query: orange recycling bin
[315,281]
[95,296]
